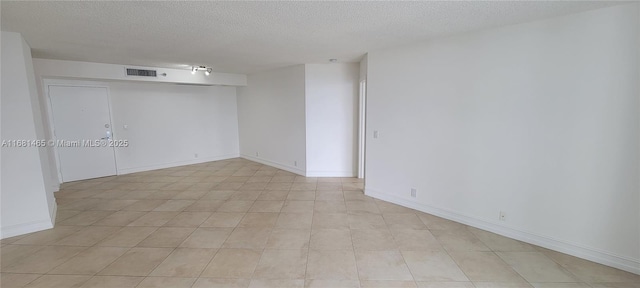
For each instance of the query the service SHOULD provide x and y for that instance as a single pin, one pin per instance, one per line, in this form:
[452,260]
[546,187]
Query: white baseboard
[54,187]
[588,253]
[284,167]
[34,226]
[53,212]
[122,171]
[24,228]
[331,174]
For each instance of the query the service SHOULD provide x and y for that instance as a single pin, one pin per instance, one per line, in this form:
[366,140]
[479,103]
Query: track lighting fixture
[207,70]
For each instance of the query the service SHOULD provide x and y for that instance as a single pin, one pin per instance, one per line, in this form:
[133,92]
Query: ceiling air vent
[141,72]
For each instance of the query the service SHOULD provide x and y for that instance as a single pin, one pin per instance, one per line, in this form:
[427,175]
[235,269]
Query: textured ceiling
[246,37]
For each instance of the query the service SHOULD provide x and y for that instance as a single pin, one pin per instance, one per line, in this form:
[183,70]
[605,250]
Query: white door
[81,118]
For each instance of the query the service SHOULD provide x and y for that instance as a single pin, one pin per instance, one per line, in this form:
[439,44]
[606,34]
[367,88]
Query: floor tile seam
[89,247]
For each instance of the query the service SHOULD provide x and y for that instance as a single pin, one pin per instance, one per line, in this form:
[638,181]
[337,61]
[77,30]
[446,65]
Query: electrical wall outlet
[257,154]
[375,134]
[502,216]
[413,192]
[195,155]
[295,163]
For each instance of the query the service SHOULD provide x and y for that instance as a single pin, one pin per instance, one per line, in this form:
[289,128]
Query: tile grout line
[397,246]
[183,178]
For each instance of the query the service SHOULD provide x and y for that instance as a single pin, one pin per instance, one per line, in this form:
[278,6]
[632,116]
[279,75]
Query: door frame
[362,127]
[46,83]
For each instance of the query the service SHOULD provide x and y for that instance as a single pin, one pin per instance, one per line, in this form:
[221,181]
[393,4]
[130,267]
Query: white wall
[168,124]
[539,120]
[26,205]
[271,117]
[331,101]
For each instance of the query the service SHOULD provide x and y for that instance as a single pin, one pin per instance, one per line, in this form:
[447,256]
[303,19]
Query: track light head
[207,70]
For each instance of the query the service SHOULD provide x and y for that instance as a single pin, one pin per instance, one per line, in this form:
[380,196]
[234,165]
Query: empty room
[440,144]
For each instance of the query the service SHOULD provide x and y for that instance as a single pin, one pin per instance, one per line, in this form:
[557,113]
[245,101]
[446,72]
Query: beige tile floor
[237,223]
